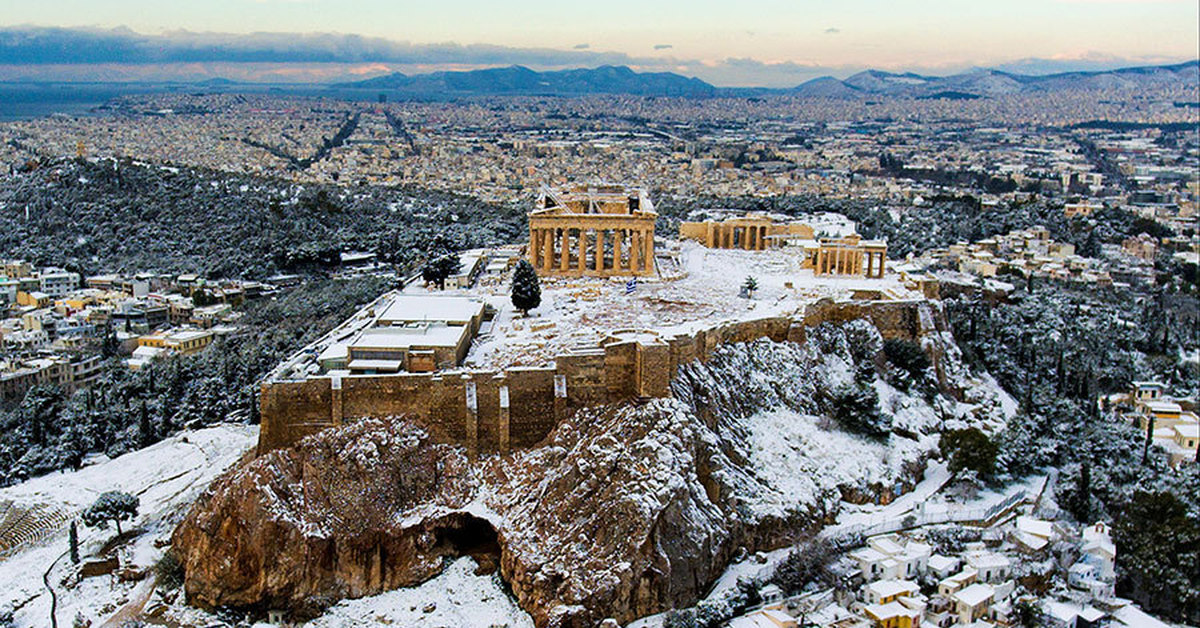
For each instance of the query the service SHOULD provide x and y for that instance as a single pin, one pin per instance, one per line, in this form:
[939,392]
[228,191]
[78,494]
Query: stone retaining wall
[490,412]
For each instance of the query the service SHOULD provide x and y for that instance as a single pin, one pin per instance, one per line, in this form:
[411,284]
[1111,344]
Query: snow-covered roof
[887,545]
[988,560]
[867,555]
[404,308]
[975,594]
[937,562]
[1036,527]
[376,365]
[1032,541]
[757,619]
[1188,430]
[888,588]
[409,336]
[883,612]
[147,353]
[1066,612]
[1163,406]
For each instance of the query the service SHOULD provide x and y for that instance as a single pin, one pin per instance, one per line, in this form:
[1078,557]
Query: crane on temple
[592,230]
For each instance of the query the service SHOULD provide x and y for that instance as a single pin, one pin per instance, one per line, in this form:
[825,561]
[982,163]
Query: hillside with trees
[108,216]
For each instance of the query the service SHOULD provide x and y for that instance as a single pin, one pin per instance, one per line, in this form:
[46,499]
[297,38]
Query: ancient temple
[592,230]
[752,232]
[851,256]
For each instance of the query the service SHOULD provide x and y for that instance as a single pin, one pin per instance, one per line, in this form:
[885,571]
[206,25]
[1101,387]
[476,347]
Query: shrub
[907,356]
[169,570]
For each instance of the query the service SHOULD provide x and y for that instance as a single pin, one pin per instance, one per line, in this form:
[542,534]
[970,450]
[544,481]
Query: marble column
[635,245]
[648,238]
[583,239]
[564,249]
[600,250]
[618,236]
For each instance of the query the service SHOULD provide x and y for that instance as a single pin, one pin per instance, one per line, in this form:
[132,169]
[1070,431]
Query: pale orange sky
[912,34]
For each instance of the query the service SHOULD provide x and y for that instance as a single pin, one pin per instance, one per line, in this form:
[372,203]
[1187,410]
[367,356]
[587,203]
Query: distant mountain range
[606,79]
[987,82]
[622,80]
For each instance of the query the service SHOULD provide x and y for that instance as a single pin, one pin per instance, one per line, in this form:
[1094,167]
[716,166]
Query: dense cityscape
[601,347]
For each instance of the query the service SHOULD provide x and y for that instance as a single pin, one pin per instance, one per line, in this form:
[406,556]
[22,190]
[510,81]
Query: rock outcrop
[624,511]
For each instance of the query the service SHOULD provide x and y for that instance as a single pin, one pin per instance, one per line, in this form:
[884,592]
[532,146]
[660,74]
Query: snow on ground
[936,476]
[457,597]
[798,461]
[167,477]
[579,312]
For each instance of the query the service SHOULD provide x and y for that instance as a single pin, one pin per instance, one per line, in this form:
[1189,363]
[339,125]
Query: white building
[992,567]
[57,282]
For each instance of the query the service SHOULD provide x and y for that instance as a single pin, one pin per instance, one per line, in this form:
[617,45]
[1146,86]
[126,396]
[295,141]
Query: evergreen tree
[526,288]
[969,449]
[1158,545]
[1079,501]
[114,506]
[145,429]
[439,269]
[855,406]
[74,541]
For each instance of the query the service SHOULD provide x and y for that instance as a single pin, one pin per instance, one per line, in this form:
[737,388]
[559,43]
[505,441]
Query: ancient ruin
[592,231]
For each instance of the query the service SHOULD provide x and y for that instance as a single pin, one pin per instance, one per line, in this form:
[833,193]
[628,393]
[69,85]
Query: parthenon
[850,255]
[593,231]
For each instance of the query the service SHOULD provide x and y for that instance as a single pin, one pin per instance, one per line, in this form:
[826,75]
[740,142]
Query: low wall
[489,411]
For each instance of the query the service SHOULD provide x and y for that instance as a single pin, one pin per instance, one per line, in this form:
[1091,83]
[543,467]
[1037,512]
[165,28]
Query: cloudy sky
[746,42]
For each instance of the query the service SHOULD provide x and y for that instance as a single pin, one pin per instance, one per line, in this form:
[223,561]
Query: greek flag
[630,286]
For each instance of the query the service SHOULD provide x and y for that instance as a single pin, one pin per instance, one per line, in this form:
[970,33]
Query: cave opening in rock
[467,535]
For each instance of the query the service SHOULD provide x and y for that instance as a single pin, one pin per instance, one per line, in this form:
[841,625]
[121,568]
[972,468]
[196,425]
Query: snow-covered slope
[166,477]
[458,597]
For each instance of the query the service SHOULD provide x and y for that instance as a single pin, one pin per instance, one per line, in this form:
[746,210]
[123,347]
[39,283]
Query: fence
[983,516]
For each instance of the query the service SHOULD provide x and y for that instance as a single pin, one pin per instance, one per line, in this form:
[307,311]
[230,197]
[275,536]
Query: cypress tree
[74,543]
[145,430]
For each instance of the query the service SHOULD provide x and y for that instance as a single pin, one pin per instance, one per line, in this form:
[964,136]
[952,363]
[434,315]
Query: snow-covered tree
[526,288]
[114,506]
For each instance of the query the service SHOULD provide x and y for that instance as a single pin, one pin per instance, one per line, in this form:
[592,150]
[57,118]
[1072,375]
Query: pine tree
[112,506]
[526,288]
[438,269]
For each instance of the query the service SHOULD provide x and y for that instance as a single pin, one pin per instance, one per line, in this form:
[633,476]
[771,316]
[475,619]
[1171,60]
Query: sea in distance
[22,100]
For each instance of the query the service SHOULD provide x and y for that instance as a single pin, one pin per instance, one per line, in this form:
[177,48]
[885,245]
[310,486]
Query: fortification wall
[488,411]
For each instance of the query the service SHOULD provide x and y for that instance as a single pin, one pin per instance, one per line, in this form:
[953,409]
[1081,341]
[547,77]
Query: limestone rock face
[305,527]
[624,511]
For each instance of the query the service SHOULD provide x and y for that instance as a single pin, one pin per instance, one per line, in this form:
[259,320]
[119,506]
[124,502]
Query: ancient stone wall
[488,411]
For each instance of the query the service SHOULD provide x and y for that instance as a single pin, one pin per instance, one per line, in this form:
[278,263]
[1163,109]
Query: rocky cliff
[623,512]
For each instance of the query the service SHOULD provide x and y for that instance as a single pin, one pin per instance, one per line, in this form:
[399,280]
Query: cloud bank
[120,54]
[64,46]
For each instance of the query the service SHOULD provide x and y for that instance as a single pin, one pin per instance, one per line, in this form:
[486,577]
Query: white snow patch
[458,596]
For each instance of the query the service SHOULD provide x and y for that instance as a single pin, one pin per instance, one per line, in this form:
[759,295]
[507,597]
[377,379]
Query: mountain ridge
[990,81]
[518,79]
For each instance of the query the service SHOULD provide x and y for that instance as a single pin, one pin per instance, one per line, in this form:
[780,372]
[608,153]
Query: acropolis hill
[464,364]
